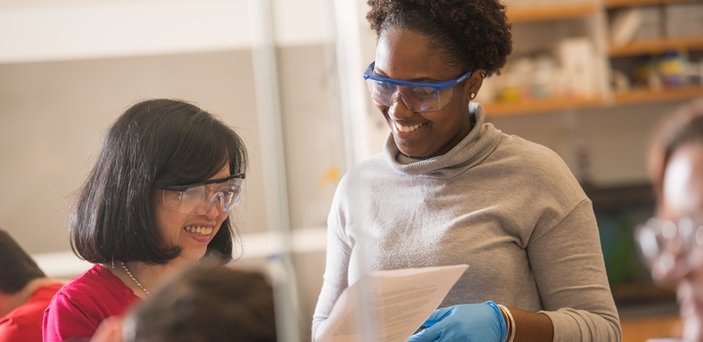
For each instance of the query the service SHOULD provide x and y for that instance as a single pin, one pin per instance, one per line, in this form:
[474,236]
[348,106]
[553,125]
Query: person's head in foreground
[206,303]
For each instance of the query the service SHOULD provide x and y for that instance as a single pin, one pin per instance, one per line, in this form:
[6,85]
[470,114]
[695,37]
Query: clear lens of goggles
[417,99]
[417,96]
[201,199]
[662,241]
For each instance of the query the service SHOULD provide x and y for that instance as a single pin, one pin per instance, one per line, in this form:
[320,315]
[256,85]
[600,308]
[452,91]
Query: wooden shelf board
[663,95]
[626,3]
[645,328]
[636,96]
[521,15]
[656,46]
[544,105]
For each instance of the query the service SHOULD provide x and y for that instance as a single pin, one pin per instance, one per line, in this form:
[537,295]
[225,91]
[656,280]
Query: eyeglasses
[417,96]
[671,249]
[196,198]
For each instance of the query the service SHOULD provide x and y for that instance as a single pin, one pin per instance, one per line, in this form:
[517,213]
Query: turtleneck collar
[476,146]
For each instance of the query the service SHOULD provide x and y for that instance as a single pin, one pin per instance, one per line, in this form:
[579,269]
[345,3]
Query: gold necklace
[134,279]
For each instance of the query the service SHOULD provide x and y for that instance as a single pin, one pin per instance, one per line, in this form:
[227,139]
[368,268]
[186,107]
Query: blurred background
[590,79]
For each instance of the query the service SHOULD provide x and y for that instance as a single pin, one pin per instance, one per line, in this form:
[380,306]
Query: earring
[473,95]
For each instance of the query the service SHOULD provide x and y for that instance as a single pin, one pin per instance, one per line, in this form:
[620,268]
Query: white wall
[41,30]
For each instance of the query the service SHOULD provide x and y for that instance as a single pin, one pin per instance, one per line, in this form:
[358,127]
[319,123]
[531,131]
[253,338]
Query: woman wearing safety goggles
[450,188]
[157,199]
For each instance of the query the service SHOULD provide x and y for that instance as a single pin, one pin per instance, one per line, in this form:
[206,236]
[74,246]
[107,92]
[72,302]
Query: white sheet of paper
[400,301]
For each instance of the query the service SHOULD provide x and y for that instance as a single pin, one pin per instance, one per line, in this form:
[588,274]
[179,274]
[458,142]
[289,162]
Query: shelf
[544,13]
[609,57]
[654,328]
[543,105]
[646,95]
[627,3]
[637,96]
[656,47]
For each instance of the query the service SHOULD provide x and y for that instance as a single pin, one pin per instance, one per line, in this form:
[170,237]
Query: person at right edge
[672,240]
[450,188]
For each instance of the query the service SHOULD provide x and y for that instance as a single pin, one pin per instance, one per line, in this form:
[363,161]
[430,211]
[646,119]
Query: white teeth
[406,129]
[199,230]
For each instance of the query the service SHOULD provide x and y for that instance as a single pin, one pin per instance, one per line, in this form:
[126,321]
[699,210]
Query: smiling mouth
[199,230]
[407,129]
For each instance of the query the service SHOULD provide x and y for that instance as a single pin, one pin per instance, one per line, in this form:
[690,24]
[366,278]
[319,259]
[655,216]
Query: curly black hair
[475,34]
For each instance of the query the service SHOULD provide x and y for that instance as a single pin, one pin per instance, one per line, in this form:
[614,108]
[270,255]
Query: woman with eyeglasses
[451,188]
[157,199]
[672,242]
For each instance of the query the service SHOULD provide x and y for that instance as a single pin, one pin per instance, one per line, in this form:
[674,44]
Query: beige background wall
[54,115]
[616,138]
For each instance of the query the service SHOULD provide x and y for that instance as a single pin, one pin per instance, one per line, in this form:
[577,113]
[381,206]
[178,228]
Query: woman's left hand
[481,322]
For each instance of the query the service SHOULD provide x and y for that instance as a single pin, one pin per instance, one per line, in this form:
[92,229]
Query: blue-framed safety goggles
[417,96]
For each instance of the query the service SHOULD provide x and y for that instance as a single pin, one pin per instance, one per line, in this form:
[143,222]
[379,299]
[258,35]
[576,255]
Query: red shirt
[24,322]
[80,306]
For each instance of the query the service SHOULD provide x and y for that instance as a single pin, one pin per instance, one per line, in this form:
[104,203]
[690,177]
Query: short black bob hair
[155,143]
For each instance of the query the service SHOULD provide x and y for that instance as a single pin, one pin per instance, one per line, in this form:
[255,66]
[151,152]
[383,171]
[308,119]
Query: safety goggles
[417,96]
[671,247]
[201,197]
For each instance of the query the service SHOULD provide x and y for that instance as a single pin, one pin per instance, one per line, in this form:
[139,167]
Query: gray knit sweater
[509,208]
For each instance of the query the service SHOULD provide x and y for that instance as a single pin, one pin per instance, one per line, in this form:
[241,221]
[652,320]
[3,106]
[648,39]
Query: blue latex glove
[481,322]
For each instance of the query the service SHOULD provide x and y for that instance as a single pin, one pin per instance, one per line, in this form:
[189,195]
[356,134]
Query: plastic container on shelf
[516,81]
[509,91]
[624,25]
[578,60]
[619,81]
[646,74]
[509,95]
[543,77]
[672,70]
